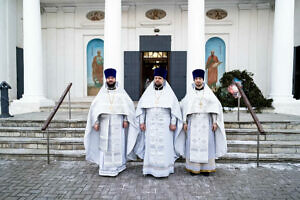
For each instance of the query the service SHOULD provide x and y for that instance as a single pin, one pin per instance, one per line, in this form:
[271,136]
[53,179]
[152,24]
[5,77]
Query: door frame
[86,40]
[142,69]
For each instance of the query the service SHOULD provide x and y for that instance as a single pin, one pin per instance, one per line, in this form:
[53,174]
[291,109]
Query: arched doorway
[215,55]
[95,60]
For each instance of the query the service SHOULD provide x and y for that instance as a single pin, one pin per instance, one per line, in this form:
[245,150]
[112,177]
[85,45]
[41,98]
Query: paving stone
[80,180]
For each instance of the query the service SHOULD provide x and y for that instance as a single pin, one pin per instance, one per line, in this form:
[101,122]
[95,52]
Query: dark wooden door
[178,72]
[296,77]
[20,73]
[132,74]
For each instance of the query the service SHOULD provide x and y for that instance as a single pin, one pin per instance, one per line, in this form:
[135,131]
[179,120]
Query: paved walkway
[80,180]
[230,116]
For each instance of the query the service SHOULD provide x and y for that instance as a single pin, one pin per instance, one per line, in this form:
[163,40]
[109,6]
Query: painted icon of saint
[98,69]
[212,64]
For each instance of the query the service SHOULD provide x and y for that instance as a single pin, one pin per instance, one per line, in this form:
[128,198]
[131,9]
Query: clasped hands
[214,127]
[97,126]
[143,127]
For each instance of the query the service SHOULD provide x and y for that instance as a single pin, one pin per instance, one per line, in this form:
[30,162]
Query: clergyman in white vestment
[111,118]
[203,127]
[159,116]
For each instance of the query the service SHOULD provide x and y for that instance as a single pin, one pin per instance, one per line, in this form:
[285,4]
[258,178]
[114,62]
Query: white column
[33,85]
[34,90]
[8,43]
[112,38]
[282,58]
[196,38]
[3,41]
[283,44]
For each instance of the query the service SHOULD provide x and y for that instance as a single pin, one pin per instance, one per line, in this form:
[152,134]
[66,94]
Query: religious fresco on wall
[216,14]
[215,54]
[155,14]
[95,60]
[95,15]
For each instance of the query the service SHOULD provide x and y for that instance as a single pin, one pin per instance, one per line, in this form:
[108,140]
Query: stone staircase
[23,140]
[77,105]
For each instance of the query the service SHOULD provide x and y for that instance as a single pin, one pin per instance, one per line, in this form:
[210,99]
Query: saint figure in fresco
[212,64]
[98,69]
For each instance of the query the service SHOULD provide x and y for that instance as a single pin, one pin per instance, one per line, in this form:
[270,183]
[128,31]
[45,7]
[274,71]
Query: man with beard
[111,118]
[159,115]
[204,126]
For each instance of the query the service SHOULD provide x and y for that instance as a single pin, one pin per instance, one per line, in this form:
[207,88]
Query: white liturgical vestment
[200,109]
[158,109]
[107,147]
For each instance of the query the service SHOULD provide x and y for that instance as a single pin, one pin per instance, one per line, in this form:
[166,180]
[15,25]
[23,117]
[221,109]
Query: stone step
[73,123]
[77,105]
[234,146]
[251,157]
[268,147]
[40,154]
[80,123]
[266,124]
[270,134]
[41,143]
[35,132]
[232,134]
[65,107]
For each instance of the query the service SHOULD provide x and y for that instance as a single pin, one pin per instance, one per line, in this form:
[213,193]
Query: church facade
[49,43]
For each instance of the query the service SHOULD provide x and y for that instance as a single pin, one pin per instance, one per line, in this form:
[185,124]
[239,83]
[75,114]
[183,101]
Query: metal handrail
[256,120]
[52,114]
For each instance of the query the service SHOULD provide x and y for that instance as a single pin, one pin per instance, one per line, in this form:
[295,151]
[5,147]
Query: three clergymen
[159,131]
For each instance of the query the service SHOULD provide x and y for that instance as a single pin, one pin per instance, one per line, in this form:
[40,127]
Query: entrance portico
[58,57]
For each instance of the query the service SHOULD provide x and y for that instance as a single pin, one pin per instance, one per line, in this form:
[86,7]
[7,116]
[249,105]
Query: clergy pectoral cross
[157,97]
[111,101]
[201,104]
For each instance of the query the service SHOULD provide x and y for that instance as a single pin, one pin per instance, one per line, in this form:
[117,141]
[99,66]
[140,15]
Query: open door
[149,61]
